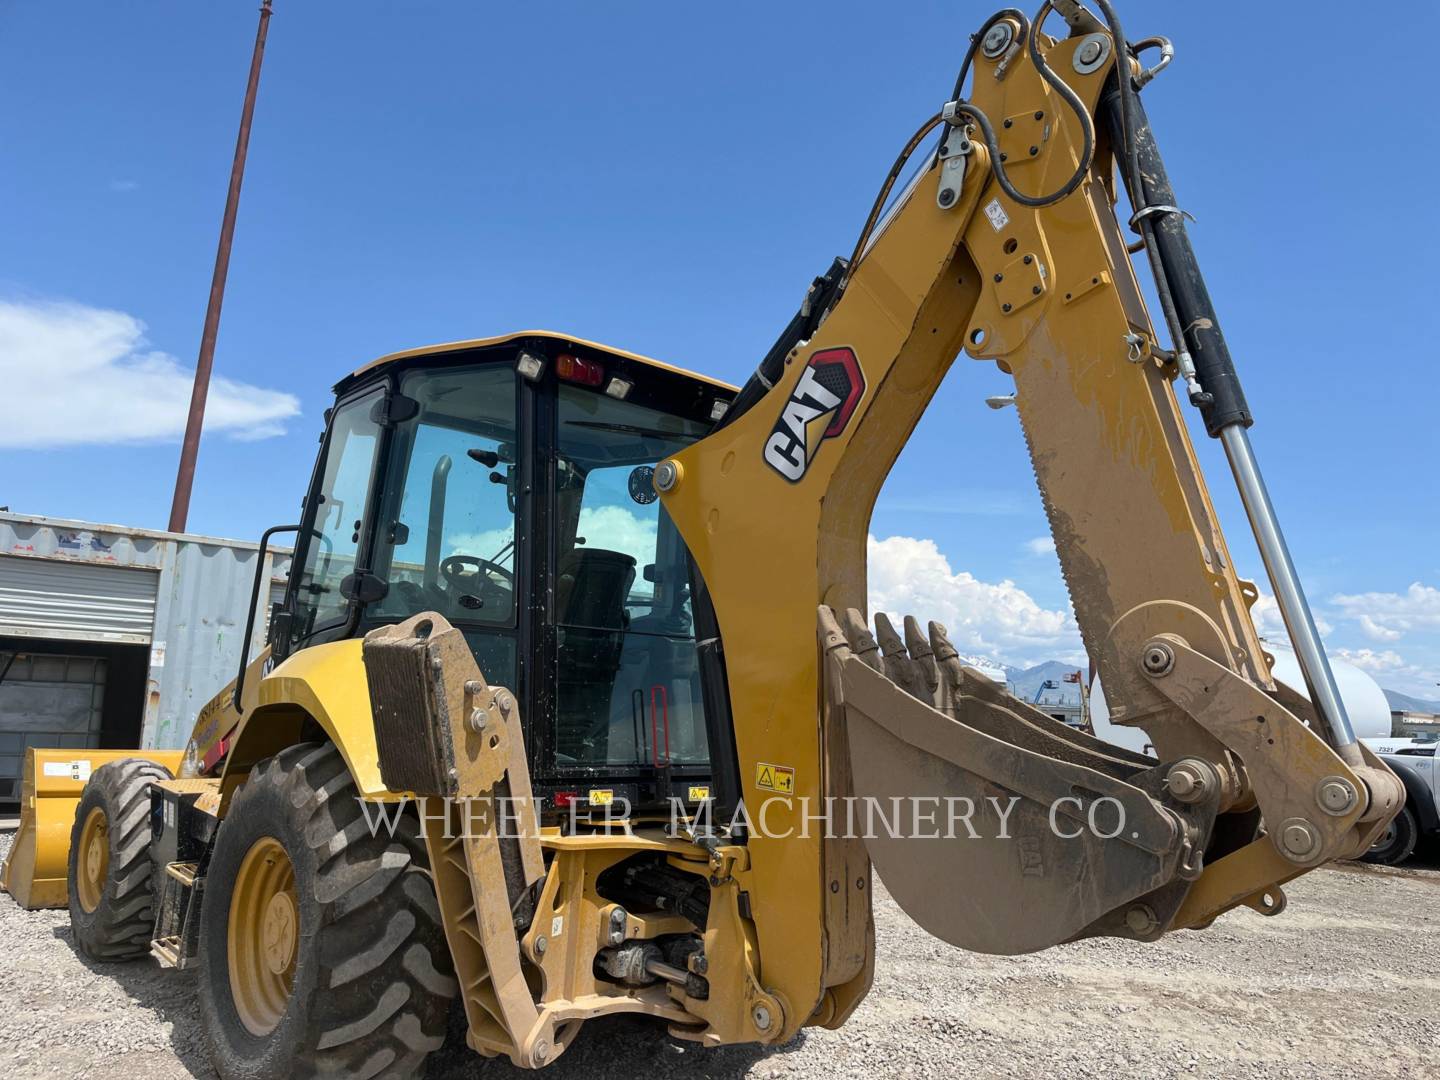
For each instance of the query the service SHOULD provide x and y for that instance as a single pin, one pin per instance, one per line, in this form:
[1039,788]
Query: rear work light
[530,365]
[573,369]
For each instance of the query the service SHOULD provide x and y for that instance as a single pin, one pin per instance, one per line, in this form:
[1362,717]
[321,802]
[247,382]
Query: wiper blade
[629,429]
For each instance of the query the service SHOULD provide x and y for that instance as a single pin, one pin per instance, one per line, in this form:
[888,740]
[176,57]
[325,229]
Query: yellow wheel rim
[93,860]
[262,936]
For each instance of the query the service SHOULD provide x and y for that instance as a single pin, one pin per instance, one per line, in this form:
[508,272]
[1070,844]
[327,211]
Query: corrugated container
[185,596]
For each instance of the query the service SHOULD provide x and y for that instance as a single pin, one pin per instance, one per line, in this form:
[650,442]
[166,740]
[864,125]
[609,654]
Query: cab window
[627,678]
[335,517]
[446,535]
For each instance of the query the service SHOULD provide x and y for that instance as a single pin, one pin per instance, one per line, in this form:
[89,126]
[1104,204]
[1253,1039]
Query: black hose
[979,36]
[1031,33]
[1031,38]
[880,200]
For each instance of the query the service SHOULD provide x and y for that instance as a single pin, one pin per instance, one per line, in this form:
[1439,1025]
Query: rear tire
[369,981]
[1398,841]
[110,873]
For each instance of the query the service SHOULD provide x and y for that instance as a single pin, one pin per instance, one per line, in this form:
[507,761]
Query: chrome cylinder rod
[1289,596]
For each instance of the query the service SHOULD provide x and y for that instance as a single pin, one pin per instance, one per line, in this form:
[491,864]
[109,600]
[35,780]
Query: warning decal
[72,770]
[779,778]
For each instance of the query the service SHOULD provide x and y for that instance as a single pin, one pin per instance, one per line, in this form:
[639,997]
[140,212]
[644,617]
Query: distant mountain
[1406,703]
[1025,682]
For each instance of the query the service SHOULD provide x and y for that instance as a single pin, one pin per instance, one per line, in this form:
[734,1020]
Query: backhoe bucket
[996,827]
[36,869]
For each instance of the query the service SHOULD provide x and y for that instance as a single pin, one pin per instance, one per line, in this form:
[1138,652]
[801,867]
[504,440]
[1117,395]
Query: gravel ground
[1344,983]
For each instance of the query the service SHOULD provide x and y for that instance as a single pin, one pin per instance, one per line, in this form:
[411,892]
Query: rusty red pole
[185,478]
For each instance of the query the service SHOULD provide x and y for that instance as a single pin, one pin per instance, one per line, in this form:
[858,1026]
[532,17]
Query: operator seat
[591,587]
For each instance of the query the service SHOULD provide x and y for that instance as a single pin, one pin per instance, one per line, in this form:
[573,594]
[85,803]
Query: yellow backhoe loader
[571,710]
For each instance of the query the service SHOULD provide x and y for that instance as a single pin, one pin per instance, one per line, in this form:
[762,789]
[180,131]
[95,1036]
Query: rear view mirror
[363,587]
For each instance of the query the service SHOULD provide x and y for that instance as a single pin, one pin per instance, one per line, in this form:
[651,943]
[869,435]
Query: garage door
[75,601]
[46,701]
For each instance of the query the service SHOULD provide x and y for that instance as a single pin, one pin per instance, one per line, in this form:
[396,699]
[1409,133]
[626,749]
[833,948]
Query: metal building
[112,636]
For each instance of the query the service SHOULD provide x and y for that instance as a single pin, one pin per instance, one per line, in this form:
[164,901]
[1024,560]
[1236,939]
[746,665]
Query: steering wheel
[452,568]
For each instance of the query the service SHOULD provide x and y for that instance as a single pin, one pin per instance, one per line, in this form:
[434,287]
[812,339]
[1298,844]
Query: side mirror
[363,587]
[278,635]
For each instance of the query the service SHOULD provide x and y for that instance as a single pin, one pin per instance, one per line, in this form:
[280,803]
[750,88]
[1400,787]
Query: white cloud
[1376,632]
[617,529]
[1265,613]
[77,375]
[1041,545]
[1394,670]
[1376,662]
[123,186]
[1388,616]
[912,577]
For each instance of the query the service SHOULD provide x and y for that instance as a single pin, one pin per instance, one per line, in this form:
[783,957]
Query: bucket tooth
[899,667]
[923,655]
[862,643]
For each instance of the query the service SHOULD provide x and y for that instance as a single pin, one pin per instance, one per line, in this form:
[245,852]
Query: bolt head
[541,944]
[1336,795]
[1089,52]
[1141,920]
[761,1015]
[667,475]
[947,196]
[1186,781]
[1298,838]
[478,719]
[474,686]
[1158,658]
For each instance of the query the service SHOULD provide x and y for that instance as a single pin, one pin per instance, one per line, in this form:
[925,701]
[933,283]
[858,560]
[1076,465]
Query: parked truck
[1413,760]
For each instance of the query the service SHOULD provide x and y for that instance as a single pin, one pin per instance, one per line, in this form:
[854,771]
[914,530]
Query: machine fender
[324,687]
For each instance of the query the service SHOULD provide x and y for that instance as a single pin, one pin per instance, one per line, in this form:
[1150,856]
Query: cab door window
[335,517]
[627,679]
[446,534]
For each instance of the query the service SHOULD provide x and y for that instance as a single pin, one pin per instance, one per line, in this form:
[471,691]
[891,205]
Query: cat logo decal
[819,407]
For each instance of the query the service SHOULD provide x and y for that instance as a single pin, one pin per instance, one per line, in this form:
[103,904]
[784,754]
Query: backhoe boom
[1007,246]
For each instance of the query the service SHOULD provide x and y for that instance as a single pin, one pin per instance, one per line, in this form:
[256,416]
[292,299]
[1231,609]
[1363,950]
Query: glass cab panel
[335,516]
[627,678]
[446,530]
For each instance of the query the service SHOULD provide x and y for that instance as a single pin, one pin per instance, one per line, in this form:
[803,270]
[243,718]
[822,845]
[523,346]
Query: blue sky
[668,178]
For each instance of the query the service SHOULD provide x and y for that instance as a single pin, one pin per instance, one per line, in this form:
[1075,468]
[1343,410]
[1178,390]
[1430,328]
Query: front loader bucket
[1015,832]
[36,870]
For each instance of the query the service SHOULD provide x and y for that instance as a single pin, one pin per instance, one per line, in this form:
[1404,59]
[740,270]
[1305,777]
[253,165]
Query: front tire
[321,945]
[1398,841]
[110,874]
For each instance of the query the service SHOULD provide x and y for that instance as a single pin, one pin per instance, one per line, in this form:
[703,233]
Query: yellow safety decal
[779,778]
[601,796]
[699,793]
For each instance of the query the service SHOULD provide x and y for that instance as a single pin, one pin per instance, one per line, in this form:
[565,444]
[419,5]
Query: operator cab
[507,484]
